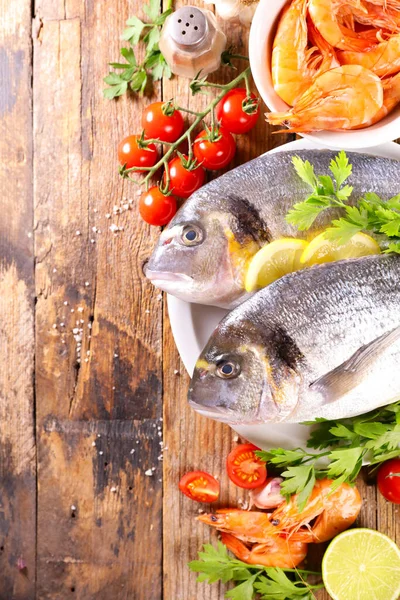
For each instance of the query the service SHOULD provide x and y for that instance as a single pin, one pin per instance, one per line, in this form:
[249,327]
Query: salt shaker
[192,41]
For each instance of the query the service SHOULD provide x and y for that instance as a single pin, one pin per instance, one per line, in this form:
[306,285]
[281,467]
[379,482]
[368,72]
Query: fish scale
[294,342]
[240,212]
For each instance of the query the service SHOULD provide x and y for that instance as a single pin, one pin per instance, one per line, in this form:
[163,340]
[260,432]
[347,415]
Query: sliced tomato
[244,468]
[199,486]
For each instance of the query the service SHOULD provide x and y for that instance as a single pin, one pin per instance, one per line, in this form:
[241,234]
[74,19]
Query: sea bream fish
[203,254]
[323,342]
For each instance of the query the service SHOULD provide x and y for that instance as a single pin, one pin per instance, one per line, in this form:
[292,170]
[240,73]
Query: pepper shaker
[192,41]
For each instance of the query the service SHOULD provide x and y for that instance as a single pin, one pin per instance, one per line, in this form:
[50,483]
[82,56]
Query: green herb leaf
[340,168]
[152,9]
[115,90]
[134,31]
[299,480]
[305,171]
[244,591]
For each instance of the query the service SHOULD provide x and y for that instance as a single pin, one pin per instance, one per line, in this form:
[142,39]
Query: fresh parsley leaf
[342,230]
[340,168]
[152,9]
[345,463]
[305,171]
[278,586]
[134,31]
[115,90]
[280,457]
[299,480]
[135,76]
[370,213]
[216,564]
[303,214]
[243,591]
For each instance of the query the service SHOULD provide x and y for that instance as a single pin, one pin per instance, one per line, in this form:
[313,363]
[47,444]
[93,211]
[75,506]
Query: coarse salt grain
[87,283]
[77,232]
[73,507]
[113,489]
[65,303]
[93,443]
[132,451]
[80,308]
[108,216]
[149,473]
[101,452]
[113,228]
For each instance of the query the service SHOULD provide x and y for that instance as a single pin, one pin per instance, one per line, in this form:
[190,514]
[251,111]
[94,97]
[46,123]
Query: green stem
[239,56]
[190,112]
[164,159]
[248,90]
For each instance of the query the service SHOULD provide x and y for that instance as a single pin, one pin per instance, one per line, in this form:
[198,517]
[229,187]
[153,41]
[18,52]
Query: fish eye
[191,235]
[227,369]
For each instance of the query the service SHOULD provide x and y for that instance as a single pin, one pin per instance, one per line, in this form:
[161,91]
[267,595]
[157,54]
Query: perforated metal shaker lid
[188,26]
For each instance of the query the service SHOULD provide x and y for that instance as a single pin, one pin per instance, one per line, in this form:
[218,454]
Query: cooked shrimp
[325,15]
[378,16]
[383,59]
[294,66]
[391,98]
[249,526]
[333,513]
[341,98]
[274,552]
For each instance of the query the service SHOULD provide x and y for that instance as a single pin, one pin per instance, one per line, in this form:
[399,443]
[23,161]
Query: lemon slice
[320,250]
[273,261]
[362,564]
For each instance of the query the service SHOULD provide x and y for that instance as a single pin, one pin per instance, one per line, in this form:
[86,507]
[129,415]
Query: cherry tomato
[389,480]
[230,112]
[131,155]
[244,468]
[155,207]
[199,486]
[214,155]
[183,181]
[161,121]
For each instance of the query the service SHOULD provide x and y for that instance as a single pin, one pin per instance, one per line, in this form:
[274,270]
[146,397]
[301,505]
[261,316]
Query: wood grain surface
[91,384]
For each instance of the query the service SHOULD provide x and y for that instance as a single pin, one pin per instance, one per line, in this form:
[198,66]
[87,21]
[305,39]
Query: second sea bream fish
[323,342]
[203,253]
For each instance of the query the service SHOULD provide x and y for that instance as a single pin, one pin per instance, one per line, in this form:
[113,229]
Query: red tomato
[199,486]
[214,155]
[155,207]
[162,121]
[389,480]
[230,112]
[244,468]
[131,155]
[183,181]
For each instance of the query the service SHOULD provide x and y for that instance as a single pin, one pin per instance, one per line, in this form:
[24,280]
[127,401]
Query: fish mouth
[218,414]
[166,276]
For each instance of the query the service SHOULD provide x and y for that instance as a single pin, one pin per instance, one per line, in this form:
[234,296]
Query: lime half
[362,564]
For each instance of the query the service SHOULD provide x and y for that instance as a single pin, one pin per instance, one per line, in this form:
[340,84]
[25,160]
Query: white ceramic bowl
[260,46]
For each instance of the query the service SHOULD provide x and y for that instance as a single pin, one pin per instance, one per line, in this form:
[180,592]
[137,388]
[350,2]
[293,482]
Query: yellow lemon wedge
[273,261]
[320,250]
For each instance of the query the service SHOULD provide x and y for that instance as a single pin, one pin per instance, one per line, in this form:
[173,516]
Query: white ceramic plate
[192,325]
[260,44]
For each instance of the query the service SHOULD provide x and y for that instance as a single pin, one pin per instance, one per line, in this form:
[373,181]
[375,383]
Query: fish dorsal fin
[348,375]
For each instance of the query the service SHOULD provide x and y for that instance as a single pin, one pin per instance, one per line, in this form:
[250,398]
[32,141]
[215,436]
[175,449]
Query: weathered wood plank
[17,436]
[99,369]
[191,441]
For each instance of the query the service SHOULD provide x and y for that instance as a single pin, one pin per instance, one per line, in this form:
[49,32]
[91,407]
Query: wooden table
[79,517]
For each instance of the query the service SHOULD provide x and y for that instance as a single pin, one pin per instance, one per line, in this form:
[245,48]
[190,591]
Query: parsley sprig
[370,213]
[216,564]
[133,75]
[347,442]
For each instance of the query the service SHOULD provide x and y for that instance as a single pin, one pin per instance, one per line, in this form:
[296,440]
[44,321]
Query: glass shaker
[192,41]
